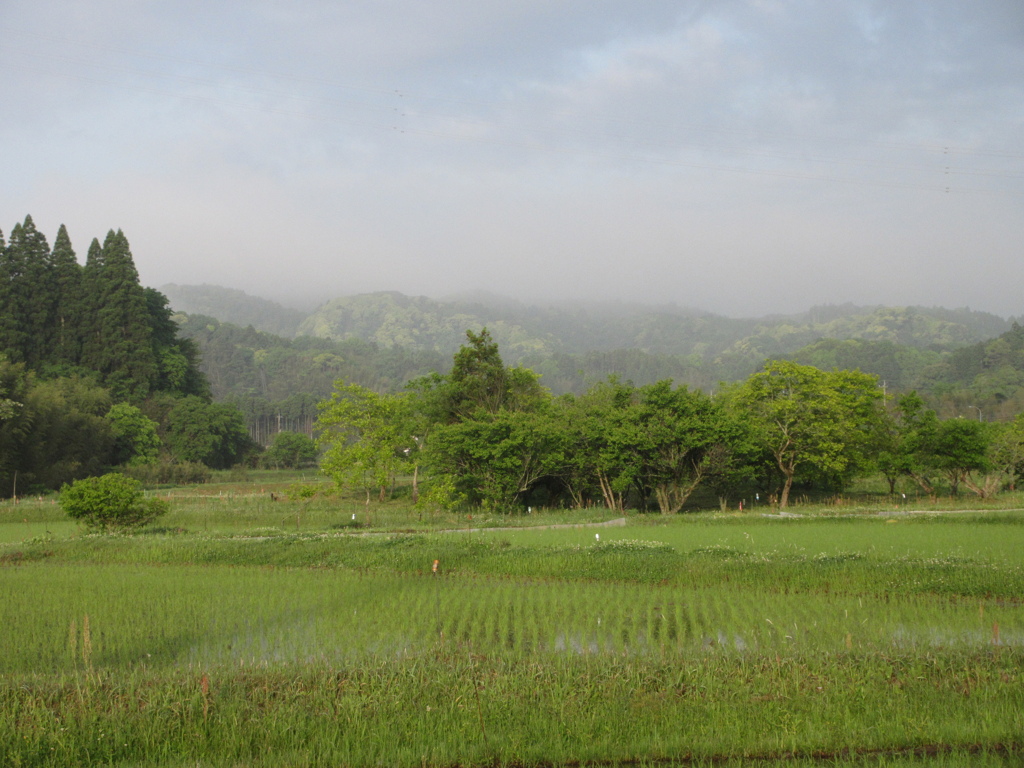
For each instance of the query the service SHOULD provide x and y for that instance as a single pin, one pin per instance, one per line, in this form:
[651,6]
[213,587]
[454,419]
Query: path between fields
[896,513]
[618,522]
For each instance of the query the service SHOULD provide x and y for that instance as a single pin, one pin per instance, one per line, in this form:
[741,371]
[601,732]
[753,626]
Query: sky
[737,156]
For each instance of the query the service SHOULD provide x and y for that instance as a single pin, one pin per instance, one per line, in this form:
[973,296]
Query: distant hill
[570,341]
[233,306]
[959,358]
[393,319]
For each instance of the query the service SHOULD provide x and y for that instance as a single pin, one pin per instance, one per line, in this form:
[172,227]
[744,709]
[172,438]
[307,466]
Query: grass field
[246,631]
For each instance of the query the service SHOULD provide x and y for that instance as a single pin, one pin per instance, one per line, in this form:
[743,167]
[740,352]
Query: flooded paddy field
[695,641]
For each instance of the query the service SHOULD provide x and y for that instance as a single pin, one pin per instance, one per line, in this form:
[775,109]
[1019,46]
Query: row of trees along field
[93,373]
[489,434]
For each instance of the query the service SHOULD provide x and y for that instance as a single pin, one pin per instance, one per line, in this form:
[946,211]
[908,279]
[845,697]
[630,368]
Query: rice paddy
[704,639]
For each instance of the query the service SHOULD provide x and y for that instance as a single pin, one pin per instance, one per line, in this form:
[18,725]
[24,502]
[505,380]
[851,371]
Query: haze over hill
[392,319]
[964,362]
[746,156]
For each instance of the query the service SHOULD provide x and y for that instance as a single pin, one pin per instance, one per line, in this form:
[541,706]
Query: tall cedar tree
[29,303]
[67,278]
[57,315]
[125,359]
[90,332]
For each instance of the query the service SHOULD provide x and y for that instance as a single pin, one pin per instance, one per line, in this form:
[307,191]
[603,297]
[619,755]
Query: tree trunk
[784,498]
[612,500]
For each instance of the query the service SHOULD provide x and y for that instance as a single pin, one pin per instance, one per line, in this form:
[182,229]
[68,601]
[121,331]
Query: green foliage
[136,441]
[441,494]
[110,502]
[960,450]
[302,491]
[213,434]
[236,307]
[290,450]
[119,336]
[366,437]
[55,431]
[811,420]
[57,316]
[493,436]
[900,367]
[1006,452]
[15,420]
[168,471]
[656,443]
[495,460]
[27,296]
[524,331]
[265,374]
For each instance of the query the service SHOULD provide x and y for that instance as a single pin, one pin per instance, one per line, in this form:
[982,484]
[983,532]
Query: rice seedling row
[269,648]
[177,615]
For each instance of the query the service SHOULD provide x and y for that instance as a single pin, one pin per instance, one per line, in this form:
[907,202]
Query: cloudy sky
[741,156]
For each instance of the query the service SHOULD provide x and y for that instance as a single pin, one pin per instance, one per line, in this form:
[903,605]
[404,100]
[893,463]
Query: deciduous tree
[364,437]
[810,419]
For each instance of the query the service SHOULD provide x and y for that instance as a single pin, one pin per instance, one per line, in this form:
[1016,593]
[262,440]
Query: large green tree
[213,434]
[598,461]
[496,460]
[960,452]
[673,435]
[365,438]
[491,440]
[811,421]
[1006,452]
[28,296]
[656,443]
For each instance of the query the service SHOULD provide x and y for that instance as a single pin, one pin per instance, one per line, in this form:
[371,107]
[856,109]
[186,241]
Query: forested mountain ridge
[268,376]
[230,305]
[392,319]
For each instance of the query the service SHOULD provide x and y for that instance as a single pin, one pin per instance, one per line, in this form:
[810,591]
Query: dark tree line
[62,318]
[77,340]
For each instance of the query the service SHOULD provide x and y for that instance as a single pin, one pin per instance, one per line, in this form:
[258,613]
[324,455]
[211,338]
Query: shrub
[290,450]
[110,502]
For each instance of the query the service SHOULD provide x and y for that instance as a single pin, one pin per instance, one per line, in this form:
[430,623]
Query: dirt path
[618,522]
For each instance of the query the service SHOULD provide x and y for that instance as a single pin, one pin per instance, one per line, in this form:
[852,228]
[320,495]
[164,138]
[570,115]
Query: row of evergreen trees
[93,373]
[61,318]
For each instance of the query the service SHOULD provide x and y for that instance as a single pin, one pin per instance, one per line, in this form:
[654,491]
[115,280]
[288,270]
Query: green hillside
[230,305]
[522,330]
[381,340]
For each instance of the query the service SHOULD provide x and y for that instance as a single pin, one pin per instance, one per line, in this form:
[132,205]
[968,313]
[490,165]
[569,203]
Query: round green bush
[110,502]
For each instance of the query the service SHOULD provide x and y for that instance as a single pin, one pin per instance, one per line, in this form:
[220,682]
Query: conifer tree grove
[59,317]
